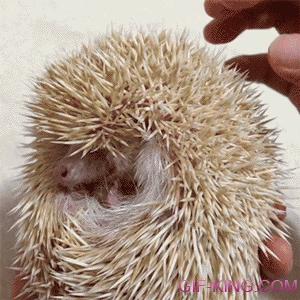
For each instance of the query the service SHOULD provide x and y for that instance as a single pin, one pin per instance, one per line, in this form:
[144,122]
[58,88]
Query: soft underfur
[152,163]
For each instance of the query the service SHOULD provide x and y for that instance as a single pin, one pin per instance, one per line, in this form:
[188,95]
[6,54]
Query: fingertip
[209,33]
[271,266]
[18,287]
[240,62]
[285,50]
[256,66]
[221,31]
[284,56]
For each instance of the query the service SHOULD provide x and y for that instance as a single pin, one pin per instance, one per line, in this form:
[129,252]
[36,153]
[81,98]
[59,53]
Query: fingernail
[284,51]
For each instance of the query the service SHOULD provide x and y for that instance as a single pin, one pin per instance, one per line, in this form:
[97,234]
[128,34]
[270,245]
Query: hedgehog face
[98,174]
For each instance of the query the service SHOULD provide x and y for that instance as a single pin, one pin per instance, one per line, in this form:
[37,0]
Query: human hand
[280,67]
[17,288]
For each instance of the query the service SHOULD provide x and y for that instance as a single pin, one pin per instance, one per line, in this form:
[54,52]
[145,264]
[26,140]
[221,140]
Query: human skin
[279,69]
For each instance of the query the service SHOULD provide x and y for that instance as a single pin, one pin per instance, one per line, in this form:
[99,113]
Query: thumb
[284,57]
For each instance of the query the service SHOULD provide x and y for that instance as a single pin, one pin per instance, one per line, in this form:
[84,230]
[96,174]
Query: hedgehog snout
[97,173]
[74,170]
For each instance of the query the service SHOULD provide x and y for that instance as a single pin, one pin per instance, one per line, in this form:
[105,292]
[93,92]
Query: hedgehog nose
[63,172]
[63,175]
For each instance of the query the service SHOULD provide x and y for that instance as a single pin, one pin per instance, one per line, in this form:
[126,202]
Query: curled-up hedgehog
[152,163]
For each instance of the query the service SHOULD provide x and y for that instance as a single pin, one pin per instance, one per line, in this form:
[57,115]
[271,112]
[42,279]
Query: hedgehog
[152,163]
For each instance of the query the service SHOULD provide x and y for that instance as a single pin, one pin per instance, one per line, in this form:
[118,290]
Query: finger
[17,288]
[284,16]
[221,8]
[295,96]
[284,57]
[238,5]
[258,69]
[271,266]
[215,9]
[288,19]
[225,30]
